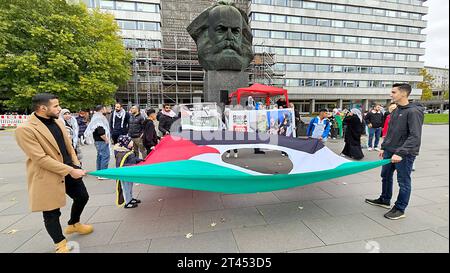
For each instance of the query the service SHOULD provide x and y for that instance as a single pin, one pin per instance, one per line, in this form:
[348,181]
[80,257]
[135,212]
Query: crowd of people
[54,166]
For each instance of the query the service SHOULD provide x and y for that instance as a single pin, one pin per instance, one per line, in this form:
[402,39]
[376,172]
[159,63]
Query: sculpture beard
[225,55]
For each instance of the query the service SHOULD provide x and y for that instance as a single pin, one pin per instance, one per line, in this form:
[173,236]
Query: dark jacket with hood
[405,130]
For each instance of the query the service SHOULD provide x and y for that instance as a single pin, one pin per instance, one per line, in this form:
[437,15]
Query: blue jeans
[102,155]
[377,133]
[404,169]
[127,188]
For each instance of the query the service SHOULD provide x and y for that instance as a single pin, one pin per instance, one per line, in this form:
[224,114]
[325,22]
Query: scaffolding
[168,71]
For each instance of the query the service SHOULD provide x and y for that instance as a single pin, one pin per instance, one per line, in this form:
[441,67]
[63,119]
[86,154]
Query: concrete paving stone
[8,220]
[358,178]
[18,196]
[249,200]
[301,194]
[163,193]
[440,210]
[348,228]
[142,229]
[346,206]
[7,204]
[442,231]
[343,190]
[10,242]
[127,247]
[415,242]
[18,208]
[13,187]
[41,242]
[226,219]
[286,212]
[102,235]
[175,206]
[149,210]
[280,237]
[352,247]
[430,182]
[207,242]
[415,220]
[438,195]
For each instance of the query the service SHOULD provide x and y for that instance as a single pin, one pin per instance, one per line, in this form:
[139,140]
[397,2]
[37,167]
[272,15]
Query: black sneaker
[395,214]
[378,202]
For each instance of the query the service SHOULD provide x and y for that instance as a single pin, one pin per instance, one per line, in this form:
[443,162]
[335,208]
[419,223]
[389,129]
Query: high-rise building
[327,53]
[440,82]
[341,53]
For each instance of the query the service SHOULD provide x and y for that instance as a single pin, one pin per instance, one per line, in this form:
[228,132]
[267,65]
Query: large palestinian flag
[193,160]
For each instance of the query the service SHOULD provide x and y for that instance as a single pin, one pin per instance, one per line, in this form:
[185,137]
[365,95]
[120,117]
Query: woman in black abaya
[353,133]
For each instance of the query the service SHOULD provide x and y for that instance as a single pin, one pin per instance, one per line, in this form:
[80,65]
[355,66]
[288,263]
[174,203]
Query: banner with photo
[277,122]
[200,117]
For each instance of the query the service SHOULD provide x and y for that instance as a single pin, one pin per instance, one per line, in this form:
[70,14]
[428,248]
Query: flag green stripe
[199,175]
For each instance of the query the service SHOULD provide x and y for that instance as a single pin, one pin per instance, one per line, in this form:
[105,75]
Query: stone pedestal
[215,81]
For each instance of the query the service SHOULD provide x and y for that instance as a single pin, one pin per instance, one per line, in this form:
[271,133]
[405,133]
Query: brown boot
[62,247]
[79,228]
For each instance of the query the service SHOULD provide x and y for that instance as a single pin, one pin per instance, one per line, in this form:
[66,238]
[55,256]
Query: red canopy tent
[259,90]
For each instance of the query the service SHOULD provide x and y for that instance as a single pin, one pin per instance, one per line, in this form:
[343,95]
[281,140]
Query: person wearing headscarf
[98,132]
[352,137]
[71,125]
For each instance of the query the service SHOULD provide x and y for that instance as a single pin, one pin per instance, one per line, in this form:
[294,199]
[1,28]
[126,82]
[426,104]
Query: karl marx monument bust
[223,38]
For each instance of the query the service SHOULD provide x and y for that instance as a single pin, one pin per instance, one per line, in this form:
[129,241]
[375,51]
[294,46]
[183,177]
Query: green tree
[53,46]
[426,84]
[445,95]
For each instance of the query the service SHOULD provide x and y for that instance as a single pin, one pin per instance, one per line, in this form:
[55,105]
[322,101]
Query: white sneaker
[369,149]
[235,155]
[377,149]
[228,155]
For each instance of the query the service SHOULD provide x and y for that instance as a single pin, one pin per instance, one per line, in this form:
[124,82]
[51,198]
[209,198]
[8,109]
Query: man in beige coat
[53,169]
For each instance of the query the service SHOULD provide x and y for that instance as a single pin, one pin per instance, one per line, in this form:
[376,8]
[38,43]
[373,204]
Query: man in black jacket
[374,120]
[166,119]
[401,145]
[135,130]
[150,136]
[119,122]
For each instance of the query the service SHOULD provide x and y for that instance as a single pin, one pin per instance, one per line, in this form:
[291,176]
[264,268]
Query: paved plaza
[329,216]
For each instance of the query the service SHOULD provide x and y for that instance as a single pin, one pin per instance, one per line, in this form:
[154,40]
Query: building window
[309,83]
[391,28]
[364,55]
[322,83]
[294,20]
[278,18]
[125,5]
[336,68]
[279,50]
[308,68]
[364,69]
[400,57]
[389,42]
[338,8]
[351,39]
[350,69]
[262,33]
[293,51]
[349,83]
[323,37]
[363,84]
[292,67]
[130,25]
[388,70]
[376,56]
[413,58]
[323,6]
[322,52]
[400,70]
[376,41]
[402,43]
[295,3]
[309,37]
[351,24]
[414,30]
[415,16]
[378,27]
[324,22]
[106,4]
[309,21]
[151,26]
[364,40]
[337,54]
[280,3]
[352,9]
[309,5]
[351,54]
[322,68]
[261,17]
[404,15]
[336,83]
[294,36]
[413,44]
[391,13]
[366,11]
[388,56]
[379,12]
[278,34]
[308,52]
[292,82]
[263,2]
[376,70]
[279,67]
[366,26]
[337,23]
[147,7]
[402,29]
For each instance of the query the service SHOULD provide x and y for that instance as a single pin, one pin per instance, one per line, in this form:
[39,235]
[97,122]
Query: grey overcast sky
[436,46]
